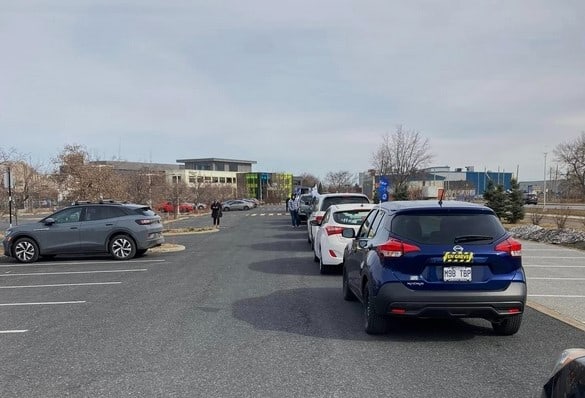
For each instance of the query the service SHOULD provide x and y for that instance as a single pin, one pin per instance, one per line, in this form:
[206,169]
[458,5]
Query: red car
[168,207]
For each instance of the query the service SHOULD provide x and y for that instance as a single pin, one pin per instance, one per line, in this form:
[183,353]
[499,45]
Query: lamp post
[544,184]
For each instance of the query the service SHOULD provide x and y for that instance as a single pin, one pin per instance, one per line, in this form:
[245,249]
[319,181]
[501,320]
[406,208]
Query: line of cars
[420,259]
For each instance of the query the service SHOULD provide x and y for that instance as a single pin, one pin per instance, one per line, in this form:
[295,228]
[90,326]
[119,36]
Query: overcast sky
[298,86]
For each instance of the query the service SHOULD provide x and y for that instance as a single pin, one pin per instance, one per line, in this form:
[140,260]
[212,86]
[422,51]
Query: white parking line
[42,303]
[555,279]
[551,266]
[61,285]
[78,263]
[13,331]
[76,272]
[557,295]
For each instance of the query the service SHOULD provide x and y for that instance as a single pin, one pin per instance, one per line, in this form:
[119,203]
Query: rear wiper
[472,238]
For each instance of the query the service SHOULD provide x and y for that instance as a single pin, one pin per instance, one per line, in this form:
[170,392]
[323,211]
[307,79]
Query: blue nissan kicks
[434,259]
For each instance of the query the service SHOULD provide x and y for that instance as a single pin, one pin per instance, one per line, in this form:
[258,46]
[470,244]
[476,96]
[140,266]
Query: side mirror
[348,233]
[49,221]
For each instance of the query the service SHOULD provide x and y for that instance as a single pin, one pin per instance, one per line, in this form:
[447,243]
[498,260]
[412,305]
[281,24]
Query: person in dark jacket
[216,212]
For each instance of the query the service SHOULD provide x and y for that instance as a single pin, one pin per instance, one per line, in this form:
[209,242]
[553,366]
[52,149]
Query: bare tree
[339,181]
[401,156]
[572,156]
[80,180]
[308,180]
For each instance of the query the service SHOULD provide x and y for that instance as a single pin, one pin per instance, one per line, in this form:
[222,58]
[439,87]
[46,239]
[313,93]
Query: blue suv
[434,259]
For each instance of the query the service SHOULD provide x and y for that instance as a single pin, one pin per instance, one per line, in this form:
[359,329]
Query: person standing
[293,206]
[216,213]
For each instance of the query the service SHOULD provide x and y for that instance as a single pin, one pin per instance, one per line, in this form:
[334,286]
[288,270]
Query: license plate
[457,274]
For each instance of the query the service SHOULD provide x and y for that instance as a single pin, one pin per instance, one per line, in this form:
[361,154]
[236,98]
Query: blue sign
[383,189]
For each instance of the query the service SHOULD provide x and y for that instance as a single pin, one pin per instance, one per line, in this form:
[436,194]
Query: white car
[322,203]
[329,244]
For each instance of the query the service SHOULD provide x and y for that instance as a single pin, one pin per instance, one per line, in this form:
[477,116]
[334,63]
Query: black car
[123,230]
[530,199]
[568,376]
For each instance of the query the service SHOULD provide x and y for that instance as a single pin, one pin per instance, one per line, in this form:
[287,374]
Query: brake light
[396,248]
[333,230]
[510,246]
[144,221]
[318,218]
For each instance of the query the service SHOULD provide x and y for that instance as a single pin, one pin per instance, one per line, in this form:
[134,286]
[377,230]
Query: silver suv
[123,230]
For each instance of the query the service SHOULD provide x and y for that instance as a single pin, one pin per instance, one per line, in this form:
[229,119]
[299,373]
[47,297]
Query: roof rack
[101,201]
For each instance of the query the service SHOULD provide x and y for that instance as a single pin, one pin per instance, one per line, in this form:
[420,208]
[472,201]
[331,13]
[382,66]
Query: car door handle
[73,228]
[109,224]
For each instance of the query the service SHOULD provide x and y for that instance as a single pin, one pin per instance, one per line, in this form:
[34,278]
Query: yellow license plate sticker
[458,257]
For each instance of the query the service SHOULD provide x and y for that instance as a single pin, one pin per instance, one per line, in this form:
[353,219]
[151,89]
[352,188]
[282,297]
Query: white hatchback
[322,203]
[329,244]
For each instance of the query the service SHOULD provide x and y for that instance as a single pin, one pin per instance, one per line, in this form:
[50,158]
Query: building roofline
[216,160]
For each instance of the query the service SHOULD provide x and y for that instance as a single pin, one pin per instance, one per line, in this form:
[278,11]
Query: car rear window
[144,211]
[337,200]
[350,217]
[445,228]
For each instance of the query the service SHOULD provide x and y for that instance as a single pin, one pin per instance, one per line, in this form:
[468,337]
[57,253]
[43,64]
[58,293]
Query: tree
[495,199]
[572,156]
[401,156]
[308,180]
[514,203]
[339,181]
[80,180]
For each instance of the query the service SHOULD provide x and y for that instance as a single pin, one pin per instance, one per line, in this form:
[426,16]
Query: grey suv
[123,230]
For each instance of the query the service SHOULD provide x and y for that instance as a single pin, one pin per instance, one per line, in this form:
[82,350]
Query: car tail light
[396,248]
[333,230]
[318,218]
[510,246]
[332,253]
[144,221]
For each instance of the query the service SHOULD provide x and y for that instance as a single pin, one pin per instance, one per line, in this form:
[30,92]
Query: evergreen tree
[401,192]
[514,203]
[495,199]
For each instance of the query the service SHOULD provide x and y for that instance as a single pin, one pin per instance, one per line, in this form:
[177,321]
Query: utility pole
[544,184]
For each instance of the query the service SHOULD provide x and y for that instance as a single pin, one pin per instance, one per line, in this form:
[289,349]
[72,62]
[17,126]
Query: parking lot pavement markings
[80,263]
[61,285]
[555,279]
[41,303]
[76,272]
[551,266]
[557,295]
[13,331]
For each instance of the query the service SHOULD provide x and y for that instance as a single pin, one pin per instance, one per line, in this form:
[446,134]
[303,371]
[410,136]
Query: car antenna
[441,197]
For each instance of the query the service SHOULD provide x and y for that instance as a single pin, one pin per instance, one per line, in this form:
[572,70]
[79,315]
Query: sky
[304,86]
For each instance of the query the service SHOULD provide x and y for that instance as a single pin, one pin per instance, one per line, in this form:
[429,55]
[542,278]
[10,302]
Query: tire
[347,293]
[26,250]
[226,209]
[507,326]
[140,253]
[122,247]
[373,322]
[323,268]
[246,208]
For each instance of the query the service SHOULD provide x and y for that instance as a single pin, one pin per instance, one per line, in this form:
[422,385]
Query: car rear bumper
[397,299]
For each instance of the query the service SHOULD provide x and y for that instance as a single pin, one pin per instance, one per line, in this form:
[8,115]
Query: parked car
[530,199]
[322,203]
[568,375]
[236,204]
[200,206]
[122,230]
[329,243]
[169,207]
[434,259]
[305,206]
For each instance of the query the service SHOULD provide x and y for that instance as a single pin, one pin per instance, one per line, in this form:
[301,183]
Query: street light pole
[544,184]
